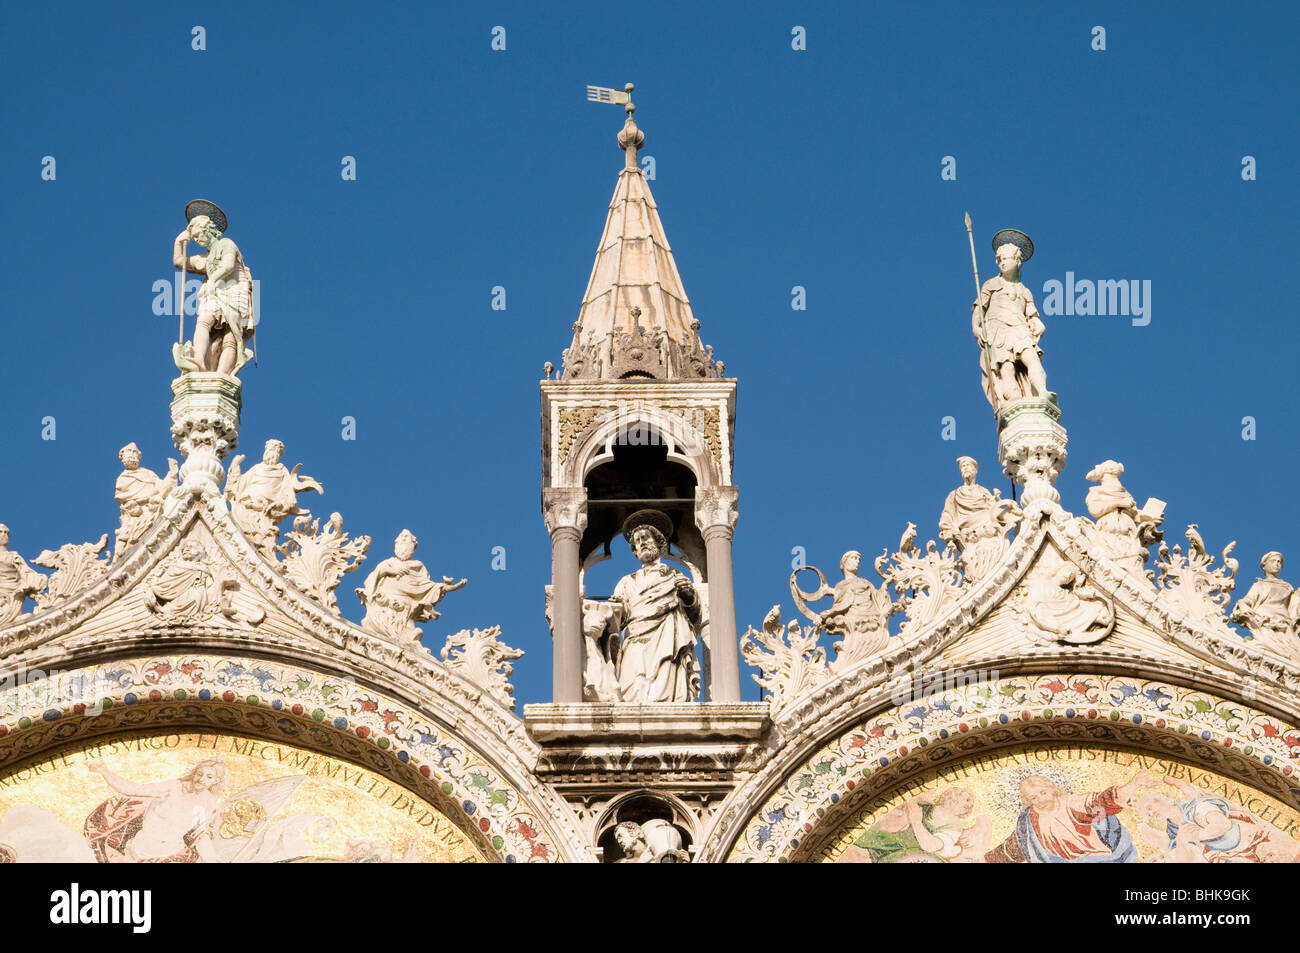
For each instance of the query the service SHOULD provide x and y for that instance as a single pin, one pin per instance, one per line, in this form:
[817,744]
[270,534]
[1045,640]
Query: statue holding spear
[1005,321]
[226,320]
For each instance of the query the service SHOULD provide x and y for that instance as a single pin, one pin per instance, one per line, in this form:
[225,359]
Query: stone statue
[858,611]
[659,617]
[653,842]
[1006,323]
[140,493]
[1066,609]
[225,320]
[1122,531]
[18,581]
[186,589]
[1270,609]
[399,593]
[976,521]
[264,496]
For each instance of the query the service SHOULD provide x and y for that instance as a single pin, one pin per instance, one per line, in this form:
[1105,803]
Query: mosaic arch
[1092,732]
[149,721]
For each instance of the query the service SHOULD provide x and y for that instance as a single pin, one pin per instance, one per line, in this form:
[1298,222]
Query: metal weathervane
[603,94]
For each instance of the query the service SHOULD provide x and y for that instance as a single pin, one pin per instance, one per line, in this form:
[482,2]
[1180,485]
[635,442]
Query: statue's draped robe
[1112,506]
[186,589]
[1270,603]
[969,513]
[397,594]
[17,582]
[139,492]
[264,496]
[658,657]
[228,300]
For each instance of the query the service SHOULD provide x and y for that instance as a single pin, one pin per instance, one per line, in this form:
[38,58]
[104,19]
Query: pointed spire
[635,320]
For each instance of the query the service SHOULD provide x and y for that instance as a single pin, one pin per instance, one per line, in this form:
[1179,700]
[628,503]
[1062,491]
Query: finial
[631,138]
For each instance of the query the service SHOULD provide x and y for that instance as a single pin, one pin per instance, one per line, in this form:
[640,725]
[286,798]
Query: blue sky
[774,168]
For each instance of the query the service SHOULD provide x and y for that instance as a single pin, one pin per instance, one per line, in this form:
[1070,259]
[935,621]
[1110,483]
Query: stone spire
[635,320]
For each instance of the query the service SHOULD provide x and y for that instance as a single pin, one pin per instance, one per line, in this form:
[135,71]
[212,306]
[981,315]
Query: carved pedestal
[205,426]
[1032,446]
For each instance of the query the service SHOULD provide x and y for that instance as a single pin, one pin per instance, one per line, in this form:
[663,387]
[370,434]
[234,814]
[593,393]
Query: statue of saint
[140,493]
[264,496]
[187,589]
[660,619]
[399,593]
[18,581]
[1006,323]
[1270,609]
[1123,532]
[976,521]
[225,320]
[858,613]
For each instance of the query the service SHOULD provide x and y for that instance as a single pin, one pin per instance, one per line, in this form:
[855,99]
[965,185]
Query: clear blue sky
[775,168]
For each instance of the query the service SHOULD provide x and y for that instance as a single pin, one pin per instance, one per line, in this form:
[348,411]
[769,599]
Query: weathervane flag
[602,94]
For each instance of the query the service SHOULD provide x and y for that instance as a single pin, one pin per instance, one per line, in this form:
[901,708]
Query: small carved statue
[976,522]
[858,611]
[1006,322]
[187,590]
[140,493]
[1270,609]
[264,496]
[225,320]
[652,842]
[659,616]
[18,581]
[1066,609]
[1123,532]
[398,593]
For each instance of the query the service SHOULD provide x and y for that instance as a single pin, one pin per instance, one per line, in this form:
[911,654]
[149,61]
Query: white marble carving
[315,559]
[140,493]
[1122,531]
[398,593]
[1270,609]
[77,567]
[1006,322]
[1187,581]
[926,583]
[226,318]
[976,522]
[858,612]
[1064,607]
[18,581]
[484,660]
[188,588]
[789,660]
[264,496]
[652,842]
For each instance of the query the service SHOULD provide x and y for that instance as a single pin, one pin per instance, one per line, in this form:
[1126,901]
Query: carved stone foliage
[484,660]
[1057,604]
[790,662]
[926,582]
[315,559]
[573,421]
[398,593]
[1187,580]
[76,566]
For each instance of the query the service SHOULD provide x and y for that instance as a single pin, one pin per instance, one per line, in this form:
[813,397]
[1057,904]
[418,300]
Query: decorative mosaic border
[284,703]
[866,760]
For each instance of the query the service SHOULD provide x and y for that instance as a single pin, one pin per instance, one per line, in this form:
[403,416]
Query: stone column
[715,515]
[1032,447]
[565,512]
[205,426]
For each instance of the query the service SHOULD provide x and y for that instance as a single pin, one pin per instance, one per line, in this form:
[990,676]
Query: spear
[984,339]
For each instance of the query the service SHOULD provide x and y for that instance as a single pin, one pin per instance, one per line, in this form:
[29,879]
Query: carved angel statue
[1123,532]
[858,611]
[399,593]
[18,581]
[1270,609]
[264,496]
[976,522]
[226,320]
[315,559]
[1006,322]
[140,493]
